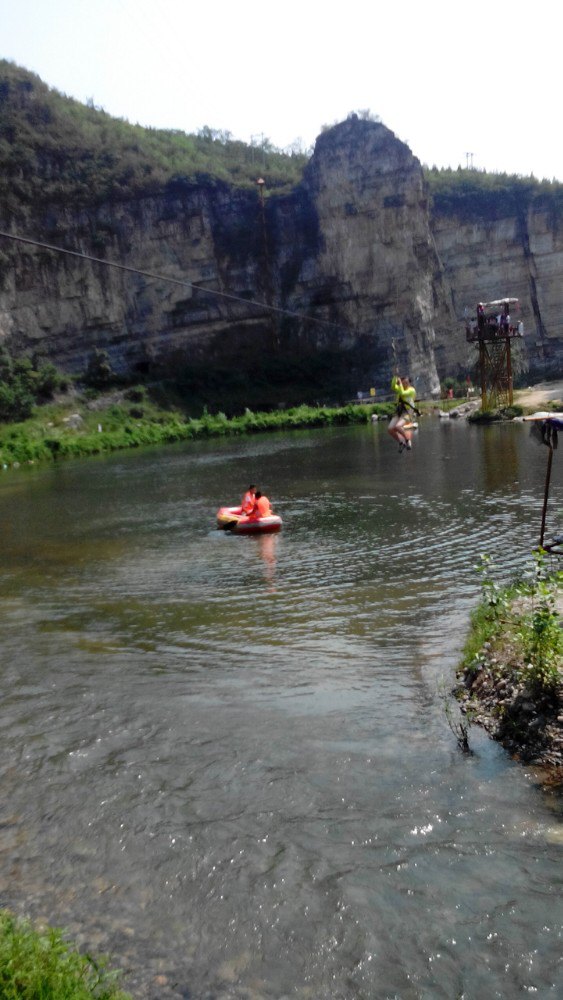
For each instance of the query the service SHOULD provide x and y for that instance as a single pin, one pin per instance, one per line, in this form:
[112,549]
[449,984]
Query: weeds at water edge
[459,724]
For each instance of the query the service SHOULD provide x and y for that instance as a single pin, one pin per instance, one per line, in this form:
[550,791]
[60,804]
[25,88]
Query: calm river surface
[225,760]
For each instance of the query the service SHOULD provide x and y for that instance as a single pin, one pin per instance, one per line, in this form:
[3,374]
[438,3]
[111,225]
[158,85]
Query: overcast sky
[476,83]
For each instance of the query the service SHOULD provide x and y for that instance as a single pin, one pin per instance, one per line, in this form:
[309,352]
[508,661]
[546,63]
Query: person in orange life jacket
[261,506]
[247,503]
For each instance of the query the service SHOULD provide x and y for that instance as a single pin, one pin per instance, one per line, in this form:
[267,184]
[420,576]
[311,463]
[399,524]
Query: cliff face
[63,307]
[376,265]
[350,263]
[518,255]
[347,261]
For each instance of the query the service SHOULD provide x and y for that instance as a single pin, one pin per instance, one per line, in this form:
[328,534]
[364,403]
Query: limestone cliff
[347,262]
[376,265]
[355,261]
[517,253]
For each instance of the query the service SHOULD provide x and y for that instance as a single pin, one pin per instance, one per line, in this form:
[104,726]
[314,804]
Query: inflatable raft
[233,519]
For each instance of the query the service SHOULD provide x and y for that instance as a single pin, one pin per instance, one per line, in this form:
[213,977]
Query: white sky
[461,83]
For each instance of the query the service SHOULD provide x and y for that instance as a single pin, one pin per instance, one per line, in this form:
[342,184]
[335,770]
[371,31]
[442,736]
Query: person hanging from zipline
[399,428]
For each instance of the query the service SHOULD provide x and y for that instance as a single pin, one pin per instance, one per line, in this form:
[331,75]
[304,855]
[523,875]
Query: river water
[226,760]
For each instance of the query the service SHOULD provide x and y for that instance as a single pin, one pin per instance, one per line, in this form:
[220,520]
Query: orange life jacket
[262,507]
[247,504]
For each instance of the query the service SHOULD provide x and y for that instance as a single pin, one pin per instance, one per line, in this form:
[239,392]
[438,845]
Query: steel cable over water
[167,279]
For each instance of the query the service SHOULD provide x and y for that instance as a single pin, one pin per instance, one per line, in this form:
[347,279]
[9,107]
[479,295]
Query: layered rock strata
[346,262]
[354,262]
[517,255]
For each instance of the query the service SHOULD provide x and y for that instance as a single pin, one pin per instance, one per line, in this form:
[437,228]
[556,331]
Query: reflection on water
[500,458]
[267,545]
[225,759]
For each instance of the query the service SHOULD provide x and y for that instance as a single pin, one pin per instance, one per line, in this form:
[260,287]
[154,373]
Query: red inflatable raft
[233,519]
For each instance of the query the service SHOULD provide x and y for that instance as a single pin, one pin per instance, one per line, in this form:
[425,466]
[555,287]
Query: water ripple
[226,760]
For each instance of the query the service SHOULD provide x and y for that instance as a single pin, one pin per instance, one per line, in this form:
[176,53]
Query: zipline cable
[174,281]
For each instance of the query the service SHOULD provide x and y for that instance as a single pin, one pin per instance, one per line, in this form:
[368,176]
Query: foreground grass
[40,965]
[511,677]
[77,429]
[522,617]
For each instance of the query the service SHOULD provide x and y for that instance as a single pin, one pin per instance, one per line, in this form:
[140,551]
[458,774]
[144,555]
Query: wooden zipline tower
[493,330]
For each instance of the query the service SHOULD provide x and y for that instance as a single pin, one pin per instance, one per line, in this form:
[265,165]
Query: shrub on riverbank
[53,433]
[23,383]
[511,675]
[40,965]
[492,416]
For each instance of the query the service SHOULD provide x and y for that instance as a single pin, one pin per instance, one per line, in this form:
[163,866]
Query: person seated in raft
[262,506]
[247,502]
[405,396]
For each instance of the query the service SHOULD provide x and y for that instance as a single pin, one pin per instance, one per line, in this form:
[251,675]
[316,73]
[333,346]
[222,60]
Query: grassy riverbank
[493,416]
[511,675]
[85,422]
[81,426]
[41,965]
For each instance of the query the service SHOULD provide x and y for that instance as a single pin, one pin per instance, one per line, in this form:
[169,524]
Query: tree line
[56,149]
[476,195]
[53,148]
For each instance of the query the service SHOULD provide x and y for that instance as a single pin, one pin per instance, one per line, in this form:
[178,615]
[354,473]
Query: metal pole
[546,495]
[483,373]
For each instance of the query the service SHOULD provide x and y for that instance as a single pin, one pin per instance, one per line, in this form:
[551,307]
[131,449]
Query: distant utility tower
[469,161]
[493,329]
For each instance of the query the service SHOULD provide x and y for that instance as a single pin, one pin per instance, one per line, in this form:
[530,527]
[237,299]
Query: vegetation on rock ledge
[511,676]
[55,149]
[474,195]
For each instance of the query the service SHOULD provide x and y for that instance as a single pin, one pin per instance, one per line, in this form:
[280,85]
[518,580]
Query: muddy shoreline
[492,690]
[528,725]
[527,720]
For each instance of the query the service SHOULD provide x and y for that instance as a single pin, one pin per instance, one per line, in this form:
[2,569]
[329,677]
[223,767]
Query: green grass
[493,416]
[485,627]
[520,621]
[47,435]
[41,965]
